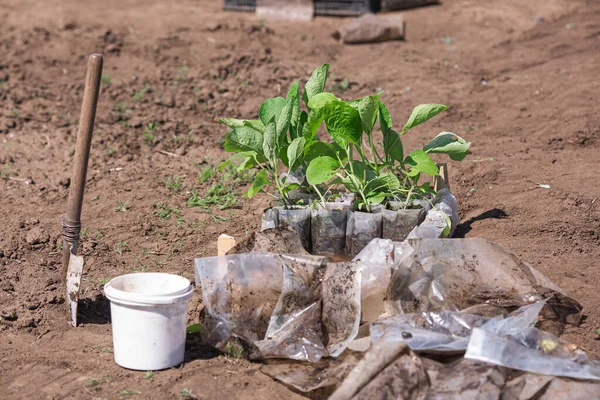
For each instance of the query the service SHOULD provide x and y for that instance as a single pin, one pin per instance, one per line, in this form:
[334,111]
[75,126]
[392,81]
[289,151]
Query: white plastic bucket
[149,315]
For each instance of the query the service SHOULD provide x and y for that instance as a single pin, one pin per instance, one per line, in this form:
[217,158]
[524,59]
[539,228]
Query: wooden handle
[72,222]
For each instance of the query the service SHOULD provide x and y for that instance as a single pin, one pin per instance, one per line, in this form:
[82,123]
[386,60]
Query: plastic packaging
[270,219]
[297,218]
[328,228]
[149,315]
[294,329]
[239,293]
[397,224]
[362,227]
[448,332]
[341,305]
[454,274]
[435,225]
[531,350]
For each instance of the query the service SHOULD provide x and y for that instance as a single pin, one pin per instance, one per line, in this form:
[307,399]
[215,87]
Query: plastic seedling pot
[398,222]
[149,315]
[362,227]
[328,228]
[298,218]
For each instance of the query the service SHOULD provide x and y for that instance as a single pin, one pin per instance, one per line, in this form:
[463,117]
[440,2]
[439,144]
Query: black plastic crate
[322,7]
[345,7]
[239,5]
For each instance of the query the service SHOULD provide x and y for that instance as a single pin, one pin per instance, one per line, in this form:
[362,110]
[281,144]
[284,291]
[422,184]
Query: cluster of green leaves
[285,135]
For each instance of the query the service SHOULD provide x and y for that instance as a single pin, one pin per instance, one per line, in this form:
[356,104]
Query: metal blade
[74,272]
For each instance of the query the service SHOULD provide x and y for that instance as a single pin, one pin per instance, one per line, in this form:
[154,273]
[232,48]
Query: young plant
[277,140]
[387,172]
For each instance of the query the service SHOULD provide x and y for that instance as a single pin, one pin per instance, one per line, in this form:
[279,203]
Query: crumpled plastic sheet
[445,207]
[454,274]
[531,350]
[246,300]
[448,332]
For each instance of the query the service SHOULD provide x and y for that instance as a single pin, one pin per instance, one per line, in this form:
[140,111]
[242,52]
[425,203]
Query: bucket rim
[142,299]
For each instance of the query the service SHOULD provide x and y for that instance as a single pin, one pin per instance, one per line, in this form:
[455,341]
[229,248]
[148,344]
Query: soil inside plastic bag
[361,228]
[298,219]
[328,228]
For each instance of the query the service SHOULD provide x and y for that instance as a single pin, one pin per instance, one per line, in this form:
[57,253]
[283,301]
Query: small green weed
[148,375]
[223,193]
[234,350]
[139,94]
[121,247]
[174,184]
[98,234]
[182,73]
[186,394]
[91,382]
[148,136]
[207,173]
[103,281]
[106,79]
[126,392]
[164,211]
[121,206]
[111,151]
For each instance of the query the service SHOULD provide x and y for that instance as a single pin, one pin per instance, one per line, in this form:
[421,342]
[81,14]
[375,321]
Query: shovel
[71,225]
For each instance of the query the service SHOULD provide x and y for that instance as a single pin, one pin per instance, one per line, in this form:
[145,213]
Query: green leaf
[422,162]
[316,83]
[301,124]
[362,170]
[243,138]
[260,180]
[194,328]
[249,159]
[376,198]
[449,143]
[290,187]
[283,155]
[392,145]
[283,123]
[321,170]
[271,108]
[315,118]
[384,182]
[320,100]
[367,109]
[317,149]
[295,153]
[343,123]
[385,120]
[255,124]
[270,140]
[422,113]
[252,123]
[293,98]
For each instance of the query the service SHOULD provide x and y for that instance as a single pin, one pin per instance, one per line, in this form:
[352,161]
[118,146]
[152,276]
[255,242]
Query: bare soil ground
[521,79]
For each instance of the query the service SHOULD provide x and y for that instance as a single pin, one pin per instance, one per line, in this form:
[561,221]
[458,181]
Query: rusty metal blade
[293,10]
[74,272]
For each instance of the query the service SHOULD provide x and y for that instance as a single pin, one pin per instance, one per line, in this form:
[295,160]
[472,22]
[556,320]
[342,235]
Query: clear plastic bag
[341,305]
[294,329]
[328,228]
[297,218]
[533,351]
[362,227]
[454,274]
[239,292]
[448,332]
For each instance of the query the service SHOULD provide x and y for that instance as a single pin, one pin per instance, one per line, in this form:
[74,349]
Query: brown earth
[524,91]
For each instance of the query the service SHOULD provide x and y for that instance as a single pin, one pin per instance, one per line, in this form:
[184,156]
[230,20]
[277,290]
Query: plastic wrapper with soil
[294,329]
[375,263]
[278,240]
[398,223]
[297,218]
[454,274]
[447,332]
[341,305]
[328,228]
[441,221]
[531,350]
[362,227]
[239,292]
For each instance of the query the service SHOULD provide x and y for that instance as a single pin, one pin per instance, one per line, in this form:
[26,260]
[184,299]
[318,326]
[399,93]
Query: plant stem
[320,196]
[373,152]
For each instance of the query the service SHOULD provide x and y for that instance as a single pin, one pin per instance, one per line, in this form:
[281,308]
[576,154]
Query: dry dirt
[521,79]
